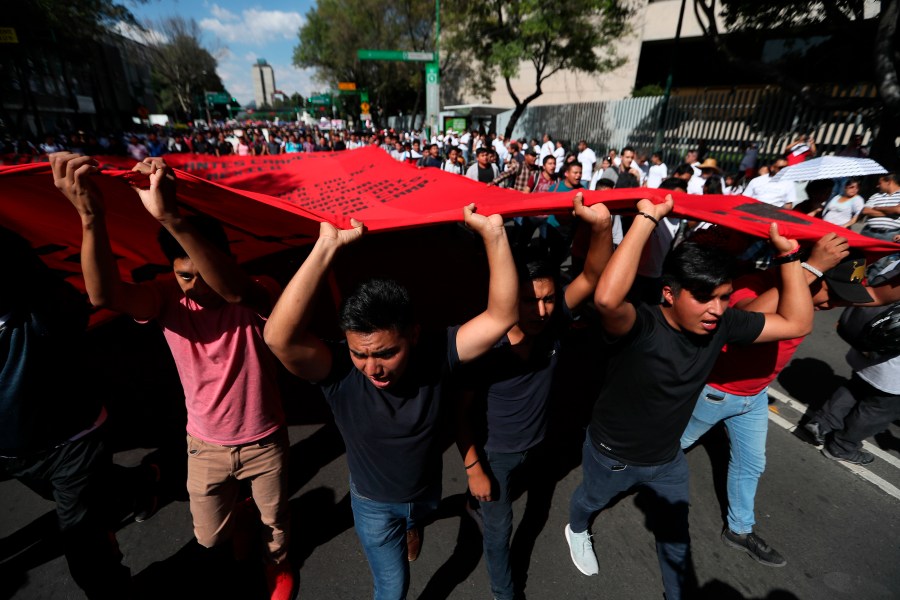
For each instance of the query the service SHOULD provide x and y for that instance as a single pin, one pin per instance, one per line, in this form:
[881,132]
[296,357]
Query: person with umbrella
[843,210]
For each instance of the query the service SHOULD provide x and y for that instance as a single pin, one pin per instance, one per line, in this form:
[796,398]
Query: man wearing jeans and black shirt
[662,356]
[384,385]
[512,384]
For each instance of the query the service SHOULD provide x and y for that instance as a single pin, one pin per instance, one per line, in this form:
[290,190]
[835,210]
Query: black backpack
[871,328]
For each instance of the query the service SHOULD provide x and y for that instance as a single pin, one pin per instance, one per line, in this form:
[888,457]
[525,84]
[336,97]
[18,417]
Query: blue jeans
[605,478]
[747,421]
[498,520]
[381,528]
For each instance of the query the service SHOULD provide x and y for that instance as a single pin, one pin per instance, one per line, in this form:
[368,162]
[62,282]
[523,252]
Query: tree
[767,15]
[501,35]
[182,68]
[336,29]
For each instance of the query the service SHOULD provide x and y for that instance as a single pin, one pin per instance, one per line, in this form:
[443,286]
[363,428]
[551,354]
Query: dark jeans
[855,412]
[605,478]
[506,468]
[76,477]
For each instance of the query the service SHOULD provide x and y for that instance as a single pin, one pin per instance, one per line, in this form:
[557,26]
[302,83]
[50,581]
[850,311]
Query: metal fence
[723,121]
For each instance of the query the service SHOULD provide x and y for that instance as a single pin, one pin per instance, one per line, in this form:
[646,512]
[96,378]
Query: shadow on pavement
[811,381]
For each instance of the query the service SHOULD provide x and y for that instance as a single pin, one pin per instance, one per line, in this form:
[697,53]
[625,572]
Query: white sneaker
[582,551]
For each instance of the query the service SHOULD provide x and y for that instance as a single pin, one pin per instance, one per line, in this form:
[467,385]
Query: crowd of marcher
[696,332]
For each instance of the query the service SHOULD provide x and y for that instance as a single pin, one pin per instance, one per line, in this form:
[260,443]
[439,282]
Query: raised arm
[599,251]
[794,315]
[477,336]
[72,176]
[617,315]
[301,352]
[218,268]
[828,251]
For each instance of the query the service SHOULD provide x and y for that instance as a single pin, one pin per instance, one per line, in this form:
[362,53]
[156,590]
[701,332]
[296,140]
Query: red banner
[272,203]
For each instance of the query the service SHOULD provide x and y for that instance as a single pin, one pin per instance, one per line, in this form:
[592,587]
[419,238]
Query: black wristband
[648,216]
[783,260]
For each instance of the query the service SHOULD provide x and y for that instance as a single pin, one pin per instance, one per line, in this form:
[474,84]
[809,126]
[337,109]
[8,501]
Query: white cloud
[223,14]
[255,26]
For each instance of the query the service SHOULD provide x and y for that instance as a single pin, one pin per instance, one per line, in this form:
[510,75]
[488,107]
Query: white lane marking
[866,474]
[868,446]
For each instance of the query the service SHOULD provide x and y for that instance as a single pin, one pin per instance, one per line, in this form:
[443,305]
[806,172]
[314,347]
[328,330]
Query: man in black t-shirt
[384,385]
[51,423]
[512,386]
[661,358]
[483,170]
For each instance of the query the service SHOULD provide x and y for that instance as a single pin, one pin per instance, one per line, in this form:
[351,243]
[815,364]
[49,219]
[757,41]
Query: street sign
[346,86]
[217,98]
[400,55]
[363,96]
[323,100]
[364,107]
[432,95]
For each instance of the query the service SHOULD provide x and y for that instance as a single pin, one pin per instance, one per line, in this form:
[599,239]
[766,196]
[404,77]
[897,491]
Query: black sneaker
[857,457]
[755,546]
[815,431]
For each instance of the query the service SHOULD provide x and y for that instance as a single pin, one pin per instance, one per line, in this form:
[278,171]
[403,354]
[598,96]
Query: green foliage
[756,14]
[335,29]
[182,68]
[500,35]
[648,90]
[577,35]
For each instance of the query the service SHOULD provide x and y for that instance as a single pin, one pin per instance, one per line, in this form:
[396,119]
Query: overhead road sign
[218,98]
[401,55]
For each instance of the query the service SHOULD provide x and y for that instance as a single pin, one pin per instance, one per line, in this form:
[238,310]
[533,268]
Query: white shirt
[657,174]
[546,150]
[560,155]
[838,212]
[695,185]
[587,158]
[500,148]
[877,201]
[776,193]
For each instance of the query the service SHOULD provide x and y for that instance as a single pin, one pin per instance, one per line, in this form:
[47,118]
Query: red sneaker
[281,580]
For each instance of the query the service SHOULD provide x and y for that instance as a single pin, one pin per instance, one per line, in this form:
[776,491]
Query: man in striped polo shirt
[883,210]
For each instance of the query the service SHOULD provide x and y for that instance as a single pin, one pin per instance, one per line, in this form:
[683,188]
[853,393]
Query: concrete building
[263,83]
[648,53]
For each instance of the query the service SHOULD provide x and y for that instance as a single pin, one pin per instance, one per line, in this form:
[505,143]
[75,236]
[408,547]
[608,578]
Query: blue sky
[238,33]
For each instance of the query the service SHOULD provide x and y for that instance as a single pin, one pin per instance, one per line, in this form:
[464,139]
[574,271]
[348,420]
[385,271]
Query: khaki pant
[214,475]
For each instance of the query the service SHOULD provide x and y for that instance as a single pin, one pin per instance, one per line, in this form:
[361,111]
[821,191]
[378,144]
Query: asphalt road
[838,531]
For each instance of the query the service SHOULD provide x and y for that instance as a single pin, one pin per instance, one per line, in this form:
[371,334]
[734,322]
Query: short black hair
[683,169]
[890,177]
[377,305]
[208,228]
[697,268]
[673,183]
[570,165]
[548,157]
[606,182]
[535,261]
[628,149]
[482,150]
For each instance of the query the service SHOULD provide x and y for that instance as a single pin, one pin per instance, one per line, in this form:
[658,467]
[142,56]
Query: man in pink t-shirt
[212,315]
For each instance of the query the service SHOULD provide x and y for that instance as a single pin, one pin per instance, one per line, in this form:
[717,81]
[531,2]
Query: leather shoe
[413,543]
